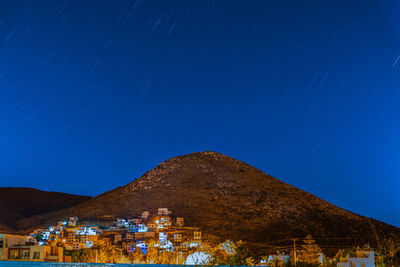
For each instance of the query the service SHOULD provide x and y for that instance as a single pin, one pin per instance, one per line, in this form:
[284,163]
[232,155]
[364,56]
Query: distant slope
[17,203]
[228,199]
[5,229]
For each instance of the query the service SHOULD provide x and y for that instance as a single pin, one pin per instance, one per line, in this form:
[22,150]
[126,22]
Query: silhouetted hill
[228,199]
[18,203]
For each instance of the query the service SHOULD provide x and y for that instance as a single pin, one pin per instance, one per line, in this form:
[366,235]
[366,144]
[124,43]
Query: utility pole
[294,251]
[96,255]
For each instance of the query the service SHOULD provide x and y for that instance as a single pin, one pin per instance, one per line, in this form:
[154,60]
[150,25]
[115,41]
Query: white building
[72,221]
[163,211]
[362,259]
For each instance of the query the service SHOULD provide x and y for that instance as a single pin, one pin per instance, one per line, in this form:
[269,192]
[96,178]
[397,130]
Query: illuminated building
[179,221]
[362,259]
[15,248]
[72,221]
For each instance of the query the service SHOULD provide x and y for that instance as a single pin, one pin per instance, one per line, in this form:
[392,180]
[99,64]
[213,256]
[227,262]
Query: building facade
[15,248]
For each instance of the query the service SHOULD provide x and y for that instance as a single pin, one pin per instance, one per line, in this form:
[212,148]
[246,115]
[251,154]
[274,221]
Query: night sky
[95,93]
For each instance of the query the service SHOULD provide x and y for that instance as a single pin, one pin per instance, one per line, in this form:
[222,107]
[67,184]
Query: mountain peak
[197,156]
[228,199]
[208,153]
[195,169]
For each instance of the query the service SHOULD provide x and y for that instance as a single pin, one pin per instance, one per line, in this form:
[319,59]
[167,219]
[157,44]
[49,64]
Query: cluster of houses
[159,229]
[67,234]
[166,233]
[361,259]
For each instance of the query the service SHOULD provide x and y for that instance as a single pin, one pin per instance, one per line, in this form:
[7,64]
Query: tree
[396,258]
[388,249]
[310,252]
[199,258]
[242,255]
[229,253]
[250,262]
[224,252]
[167,257]
[137,256]
[76,255]
[101,253]
[152,255]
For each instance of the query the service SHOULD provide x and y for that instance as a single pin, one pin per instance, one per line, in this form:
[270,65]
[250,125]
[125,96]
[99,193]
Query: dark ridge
[17,203]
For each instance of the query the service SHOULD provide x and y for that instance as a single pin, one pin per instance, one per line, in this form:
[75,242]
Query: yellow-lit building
[15,248]
[6,241]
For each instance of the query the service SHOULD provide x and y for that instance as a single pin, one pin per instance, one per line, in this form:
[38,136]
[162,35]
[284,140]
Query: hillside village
[124,235]
[151,238]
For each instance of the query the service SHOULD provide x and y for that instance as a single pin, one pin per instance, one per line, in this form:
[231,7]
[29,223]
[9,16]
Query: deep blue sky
[94,93]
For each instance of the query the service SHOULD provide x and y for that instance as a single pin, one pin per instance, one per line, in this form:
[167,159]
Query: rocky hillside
[228,199]
[18,203]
